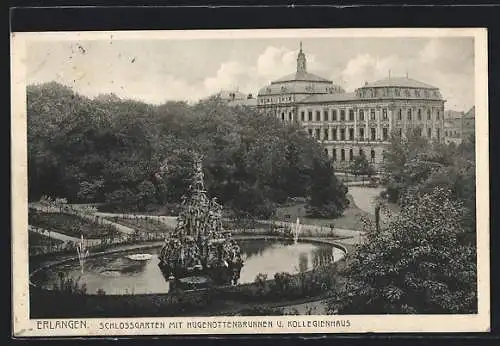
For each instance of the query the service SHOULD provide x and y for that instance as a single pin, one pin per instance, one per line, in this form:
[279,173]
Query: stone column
[355,124]
[367,130]
[378,114]
[390,114]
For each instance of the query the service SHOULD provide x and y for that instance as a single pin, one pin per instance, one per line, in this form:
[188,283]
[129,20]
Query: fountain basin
[140,257]
[118,275]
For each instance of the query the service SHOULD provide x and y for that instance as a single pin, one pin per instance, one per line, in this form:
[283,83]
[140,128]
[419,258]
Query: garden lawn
[351,218]
[69,224]
[144,225]
[40,240]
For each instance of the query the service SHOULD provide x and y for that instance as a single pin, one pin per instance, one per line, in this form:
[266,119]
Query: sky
[156,71]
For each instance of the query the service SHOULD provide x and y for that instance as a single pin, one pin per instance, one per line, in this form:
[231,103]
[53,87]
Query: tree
[416,264]
[327,195]
[361,167]
[109,149]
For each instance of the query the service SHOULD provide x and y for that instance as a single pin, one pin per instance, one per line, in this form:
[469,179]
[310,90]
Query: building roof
[329,98]
[246,102]
[471,113]
[301,76]
[299,87]
[404,82]
[228,95]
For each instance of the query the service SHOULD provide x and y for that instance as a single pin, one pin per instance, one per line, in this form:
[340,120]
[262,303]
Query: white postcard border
[24,326]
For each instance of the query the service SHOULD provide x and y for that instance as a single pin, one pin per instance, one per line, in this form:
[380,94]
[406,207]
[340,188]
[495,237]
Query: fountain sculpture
[296,231]
[82,252]
[199,246]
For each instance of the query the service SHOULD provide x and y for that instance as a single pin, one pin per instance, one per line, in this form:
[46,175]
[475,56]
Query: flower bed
[70,224]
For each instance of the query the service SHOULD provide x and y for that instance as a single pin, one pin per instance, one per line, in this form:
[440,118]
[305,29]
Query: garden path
[63,237]
[364,197]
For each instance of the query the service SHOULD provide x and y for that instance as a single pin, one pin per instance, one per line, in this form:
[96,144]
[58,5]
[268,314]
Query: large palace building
[348,124]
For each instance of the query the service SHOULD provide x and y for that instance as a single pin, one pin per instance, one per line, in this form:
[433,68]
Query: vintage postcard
[250,182]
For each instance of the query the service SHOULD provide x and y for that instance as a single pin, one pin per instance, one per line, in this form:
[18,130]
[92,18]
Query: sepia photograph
[250,181]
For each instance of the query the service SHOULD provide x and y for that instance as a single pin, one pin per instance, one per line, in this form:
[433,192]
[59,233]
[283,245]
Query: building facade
[361,122]
[453,127]
[459,126]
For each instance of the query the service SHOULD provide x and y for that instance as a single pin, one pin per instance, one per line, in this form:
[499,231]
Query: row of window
[361,115]
[278,99]
[351,154]
[386,92]
[420,132]
[350,132]
[288,117]
[342,135]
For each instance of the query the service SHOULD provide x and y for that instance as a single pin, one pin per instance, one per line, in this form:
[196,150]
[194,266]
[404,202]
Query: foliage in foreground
[417,264]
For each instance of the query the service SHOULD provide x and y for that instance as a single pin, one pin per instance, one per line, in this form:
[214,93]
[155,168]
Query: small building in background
[453,126]
[459,126]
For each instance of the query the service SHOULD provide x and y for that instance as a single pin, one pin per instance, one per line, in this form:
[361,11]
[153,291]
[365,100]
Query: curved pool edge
[159,243]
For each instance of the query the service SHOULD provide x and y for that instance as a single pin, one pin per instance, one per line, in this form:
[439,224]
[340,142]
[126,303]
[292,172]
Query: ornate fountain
[199,246]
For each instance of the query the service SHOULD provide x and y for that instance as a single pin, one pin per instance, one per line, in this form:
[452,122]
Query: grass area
[351,218]
[69,224]
[36,240]
[145,225]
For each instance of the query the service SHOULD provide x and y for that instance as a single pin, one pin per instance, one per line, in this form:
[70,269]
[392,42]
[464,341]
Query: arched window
[409,114]
[361,153]
[342,155]
[361,115]
[351,155]
[400,114]
[334,154]
[372,155]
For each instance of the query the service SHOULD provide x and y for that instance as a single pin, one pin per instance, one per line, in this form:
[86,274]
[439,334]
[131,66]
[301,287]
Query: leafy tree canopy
[418,263]
[131,154]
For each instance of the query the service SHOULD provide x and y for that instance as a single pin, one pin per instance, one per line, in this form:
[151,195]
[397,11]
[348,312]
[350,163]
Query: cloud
[229,76]
[276,62]
[450,66]
[449,53]
[156,73]
[366,68]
